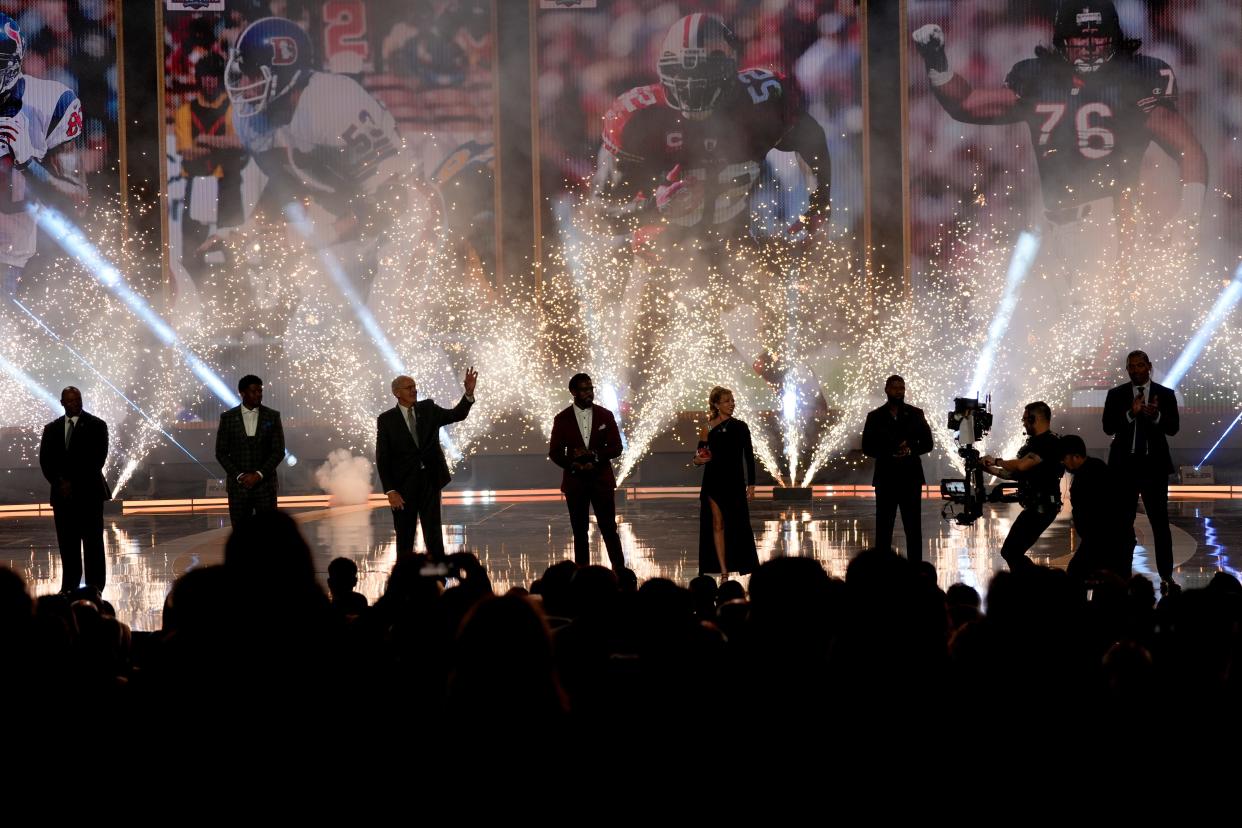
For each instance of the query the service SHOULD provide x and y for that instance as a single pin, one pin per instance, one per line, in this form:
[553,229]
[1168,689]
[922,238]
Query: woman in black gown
[726,541]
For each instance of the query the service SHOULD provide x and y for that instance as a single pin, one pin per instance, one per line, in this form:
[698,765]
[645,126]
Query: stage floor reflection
[517,540]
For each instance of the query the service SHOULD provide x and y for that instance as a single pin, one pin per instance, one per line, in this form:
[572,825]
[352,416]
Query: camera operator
[1104,543]
[1038,471]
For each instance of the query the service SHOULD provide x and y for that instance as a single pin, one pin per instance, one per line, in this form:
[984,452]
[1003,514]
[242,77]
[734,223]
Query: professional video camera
[972,421]
[970,417]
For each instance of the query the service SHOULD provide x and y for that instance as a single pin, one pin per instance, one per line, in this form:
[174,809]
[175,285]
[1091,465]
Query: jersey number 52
[760,83]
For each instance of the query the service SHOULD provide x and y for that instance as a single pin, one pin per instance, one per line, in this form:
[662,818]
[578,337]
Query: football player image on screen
[1093,104]
[682,158]
[466,182]
[318,136]
[40,123]
[687,152]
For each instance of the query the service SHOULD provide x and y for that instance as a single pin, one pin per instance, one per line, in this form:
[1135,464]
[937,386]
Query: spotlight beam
[37,390]
[73,241]
[302,223]
[1224,304]
[1219,440]
[1020,263]
[109,383]
[336,272]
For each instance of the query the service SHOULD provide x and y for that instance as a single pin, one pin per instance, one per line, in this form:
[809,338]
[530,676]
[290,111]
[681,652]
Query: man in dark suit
[1140,416]
[250,443]
[411,463]
[71,455]
[585,439]
[896,434]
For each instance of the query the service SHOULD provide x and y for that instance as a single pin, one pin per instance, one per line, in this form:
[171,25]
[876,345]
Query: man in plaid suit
[250,444]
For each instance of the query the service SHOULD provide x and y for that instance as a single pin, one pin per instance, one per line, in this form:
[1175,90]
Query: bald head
[71,399]
[405,390]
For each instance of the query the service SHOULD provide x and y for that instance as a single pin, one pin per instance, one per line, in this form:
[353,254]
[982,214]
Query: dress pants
[79,533]
[422,503]
[246,504]
[605,507]
[1153,487]
[907,496]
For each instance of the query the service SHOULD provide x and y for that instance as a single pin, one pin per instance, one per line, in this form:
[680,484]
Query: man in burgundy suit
[585,439]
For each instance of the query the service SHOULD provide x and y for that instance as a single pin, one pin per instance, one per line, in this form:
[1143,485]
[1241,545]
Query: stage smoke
[345,477]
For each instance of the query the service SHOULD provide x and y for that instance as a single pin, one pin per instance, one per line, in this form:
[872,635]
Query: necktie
[69,433]
[1140,439]
[410,422]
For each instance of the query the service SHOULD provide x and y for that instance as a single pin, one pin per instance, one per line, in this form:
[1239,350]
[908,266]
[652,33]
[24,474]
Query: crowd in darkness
[590,660]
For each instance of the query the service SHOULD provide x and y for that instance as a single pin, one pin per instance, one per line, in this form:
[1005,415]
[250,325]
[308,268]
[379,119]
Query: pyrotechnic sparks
[792,327]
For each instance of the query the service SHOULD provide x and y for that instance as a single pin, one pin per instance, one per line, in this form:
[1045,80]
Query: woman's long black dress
[725,478]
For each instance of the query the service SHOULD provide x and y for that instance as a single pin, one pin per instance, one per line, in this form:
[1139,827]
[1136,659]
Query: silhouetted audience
[963,603]
[253,653]
[703,590]
[342,578]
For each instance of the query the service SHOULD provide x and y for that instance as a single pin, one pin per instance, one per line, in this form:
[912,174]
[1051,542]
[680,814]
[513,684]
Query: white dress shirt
[583,416]
[250,420]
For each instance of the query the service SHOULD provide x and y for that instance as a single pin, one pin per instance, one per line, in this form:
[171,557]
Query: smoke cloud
[345,477]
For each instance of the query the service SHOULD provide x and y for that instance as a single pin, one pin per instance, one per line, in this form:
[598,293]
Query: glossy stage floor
[518,534]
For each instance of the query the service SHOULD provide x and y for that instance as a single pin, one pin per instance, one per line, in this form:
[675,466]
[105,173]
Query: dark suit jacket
[1157,459]
[401,463]
[81,463]
[240,454]
[605,442]
[881,436]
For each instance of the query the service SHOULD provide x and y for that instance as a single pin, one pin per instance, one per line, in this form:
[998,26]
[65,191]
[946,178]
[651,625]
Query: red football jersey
[720,157]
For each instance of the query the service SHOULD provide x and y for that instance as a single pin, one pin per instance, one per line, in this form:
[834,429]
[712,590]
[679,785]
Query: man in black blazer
[250,443]
[72,454]
[585,441]
[896,434]
[1140,416]
[411,463]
